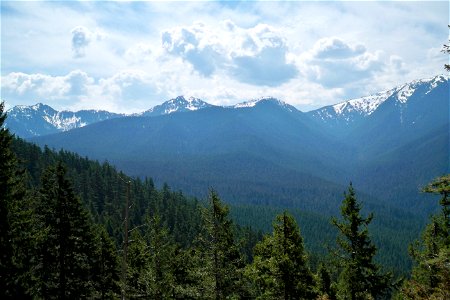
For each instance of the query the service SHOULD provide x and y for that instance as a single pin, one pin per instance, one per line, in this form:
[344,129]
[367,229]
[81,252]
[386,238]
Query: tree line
[62,237]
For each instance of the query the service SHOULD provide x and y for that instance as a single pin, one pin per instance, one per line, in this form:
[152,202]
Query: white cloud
[140,52]
[222,52]
[334,63]
[260,55]
[335,48]
[125,91]
[195,44]
[41,85]
[257,55]
[81,38]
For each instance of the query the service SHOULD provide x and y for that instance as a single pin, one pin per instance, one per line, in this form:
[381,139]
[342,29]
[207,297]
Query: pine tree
[325,283]
[221,261]
[67,250]
[431,274]
[106,271]
[162,253]
[360,277]
[280,269]
[17,235]
[138,266]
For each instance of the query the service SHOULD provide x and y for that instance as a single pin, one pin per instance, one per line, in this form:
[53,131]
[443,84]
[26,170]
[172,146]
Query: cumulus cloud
[260,57]
[81,38]
[125,91]
[50,87]
[334,63]
[195,44]
[256,55]
[335,48]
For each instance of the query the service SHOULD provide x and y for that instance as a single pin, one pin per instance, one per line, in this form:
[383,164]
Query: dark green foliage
[106,267]
[221,262]
[431,273]
[360,277]
[67,250]
[157,267]
[161,248]
[280,268]
[52,249]
[17,235]
[137,267]
[103,191]
[325,282]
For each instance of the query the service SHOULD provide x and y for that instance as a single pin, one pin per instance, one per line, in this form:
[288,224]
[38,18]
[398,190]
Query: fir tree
[280,269]
[138,266]
[360,276]
[431,274]
[67,250]
[106,271]
[17,234]
[325,283]
[222,263]
[161,257]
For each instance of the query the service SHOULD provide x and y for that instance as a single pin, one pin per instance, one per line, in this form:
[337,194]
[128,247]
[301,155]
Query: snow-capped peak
[178,104]
[38,106]
[367,105]
[254,102]
[47,120]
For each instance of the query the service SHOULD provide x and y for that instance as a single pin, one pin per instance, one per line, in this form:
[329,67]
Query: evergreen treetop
[360,276]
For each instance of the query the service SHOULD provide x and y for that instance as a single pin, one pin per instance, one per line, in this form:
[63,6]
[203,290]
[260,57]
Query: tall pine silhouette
[280,267]
[68,249]
[17,234]
[360,276]
[221,262]
[431,273]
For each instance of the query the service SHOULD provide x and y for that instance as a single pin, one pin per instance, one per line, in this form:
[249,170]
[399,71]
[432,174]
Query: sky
[130,56]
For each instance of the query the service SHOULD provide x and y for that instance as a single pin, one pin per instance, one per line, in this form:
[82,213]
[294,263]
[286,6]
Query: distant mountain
[339,119]
[346,116]
[264,101]
[41,119]
[178,104]
[266,151]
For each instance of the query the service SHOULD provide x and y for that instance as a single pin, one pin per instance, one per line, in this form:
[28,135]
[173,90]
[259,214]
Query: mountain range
[41,119]
[265,151]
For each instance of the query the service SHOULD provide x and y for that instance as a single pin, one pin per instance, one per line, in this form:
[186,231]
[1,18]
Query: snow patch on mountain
[178,104]
[365,106]
[63,123]
[42,119]
[254,102]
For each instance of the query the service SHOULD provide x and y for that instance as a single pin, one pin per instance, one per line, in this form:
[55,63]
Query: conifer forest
[72,228]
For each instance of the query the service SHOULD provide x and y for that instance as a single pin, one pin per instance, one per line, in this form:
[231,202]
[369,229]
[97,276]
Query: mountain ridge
[339,115]
[352,112]
[205,146]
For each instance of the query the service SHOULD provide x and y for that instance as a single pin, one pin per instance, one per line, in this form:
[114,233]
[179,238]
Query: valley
[265,155]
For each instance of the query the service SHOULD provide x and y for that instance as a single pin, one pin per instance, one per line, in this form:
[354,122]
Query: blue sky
[130,56]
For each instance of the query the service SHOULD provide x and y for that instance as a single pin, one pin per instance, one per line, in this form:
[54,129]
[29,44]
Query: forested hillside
[62,237]
[103,191]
